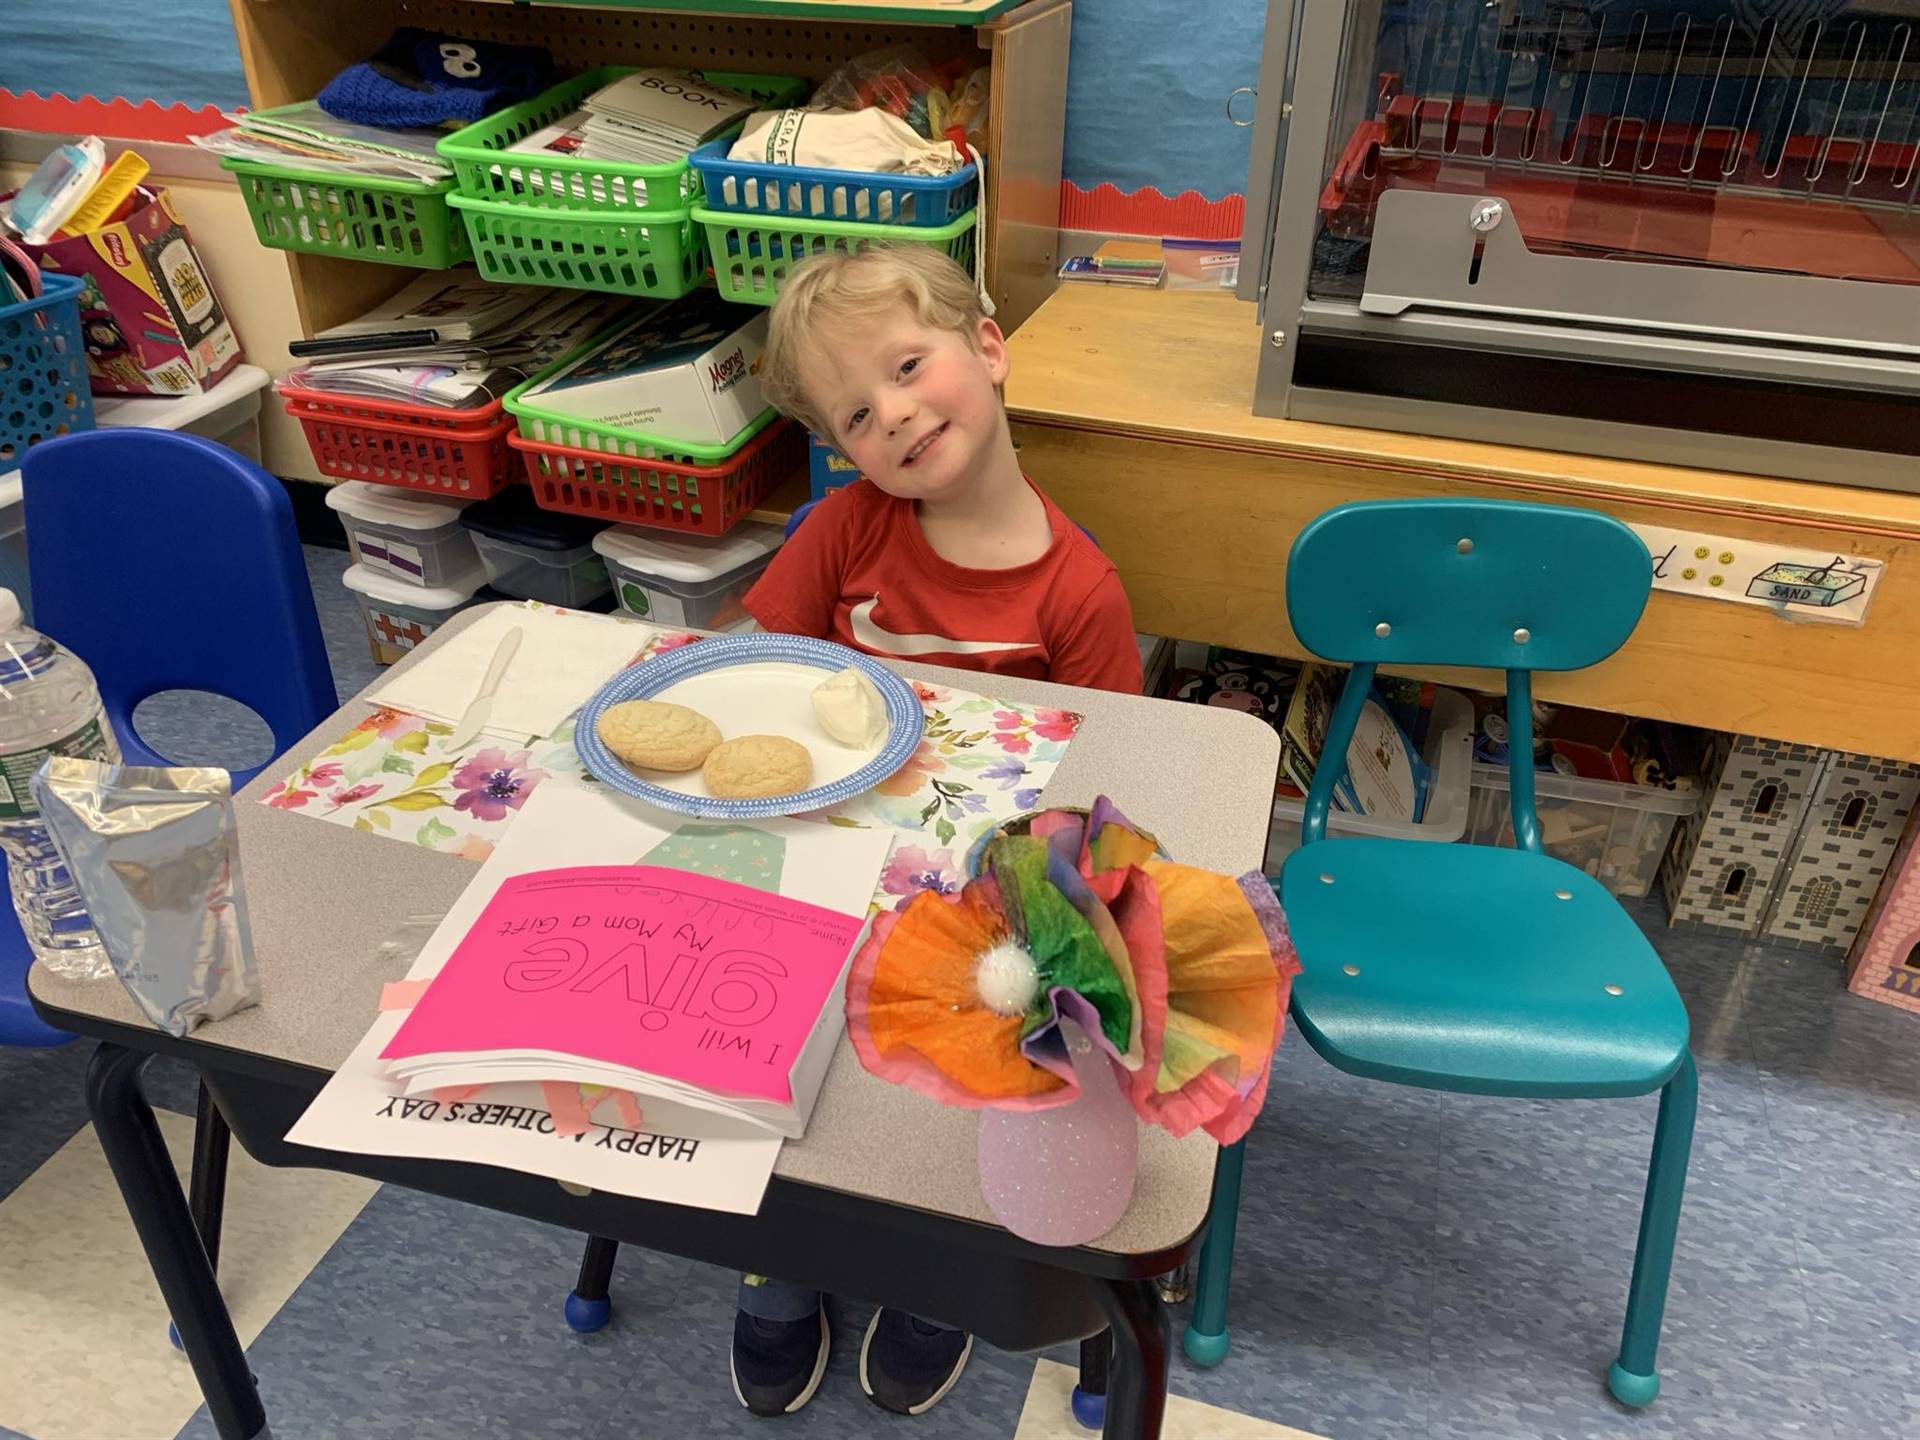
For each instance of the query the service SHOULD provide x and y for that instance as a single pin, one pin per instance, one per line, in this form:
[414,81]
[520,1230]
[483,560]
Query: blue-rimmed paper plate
[755,685]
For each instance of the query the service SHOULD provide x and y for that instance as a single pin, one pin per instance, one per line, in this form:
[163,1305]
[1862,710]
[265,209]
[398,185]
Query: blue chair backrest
[168,562]
[1484,583]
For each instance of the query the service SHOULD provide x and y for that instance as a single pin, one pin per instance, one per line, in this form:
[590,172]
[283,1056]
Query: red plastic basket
[302,402]
[471,464]
[664,493]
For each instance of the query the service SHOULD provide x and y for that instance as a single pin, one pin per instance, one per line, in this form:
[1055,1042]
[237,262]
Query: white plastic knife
[475,719]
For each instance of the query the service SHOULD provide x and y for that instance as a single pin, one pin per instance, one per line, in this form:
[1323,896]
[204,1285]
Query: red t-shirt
[859,571]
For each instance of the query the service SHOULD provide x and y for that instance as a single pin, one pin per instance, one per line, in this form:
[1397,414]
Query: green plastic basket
[751,254]
[396,222]
[657,254]
[484,169]
[551,427]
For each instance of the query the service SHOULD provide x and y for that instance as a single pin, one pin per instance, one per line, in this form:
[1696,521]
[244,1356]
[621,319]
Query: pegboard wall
[628,37]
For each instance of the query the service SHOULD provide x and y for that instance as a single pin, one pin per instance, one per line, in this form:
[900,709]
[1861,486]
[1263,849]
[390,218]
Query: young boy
[945,554]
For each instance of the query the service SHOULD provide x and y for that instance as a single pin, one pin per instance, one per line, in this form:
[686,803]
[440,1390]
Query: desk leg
[1137,1378]
[137,1154]
[208,1197]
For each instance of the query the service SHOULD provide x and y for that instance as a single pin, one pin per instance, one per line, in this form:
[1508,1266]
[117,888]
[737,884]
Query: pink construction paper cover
[680,975]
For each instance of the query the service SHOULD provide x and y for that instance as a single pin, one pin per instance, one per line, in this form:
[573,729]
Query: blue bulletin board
[170,51]
[1146,98]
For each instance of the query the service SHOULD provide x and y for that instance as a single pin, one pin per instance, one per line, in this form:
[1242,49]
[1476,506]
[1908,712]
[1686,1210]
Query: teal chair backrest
[1493,584]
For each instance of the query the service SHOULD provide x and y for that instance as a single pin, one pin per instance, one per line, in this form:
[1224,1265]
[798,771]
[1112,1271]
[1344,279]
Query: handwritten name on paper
[668,972]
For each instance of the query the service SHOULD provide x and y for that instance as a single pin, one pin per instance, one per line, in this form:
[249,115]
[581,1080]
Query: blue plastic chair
[168,562]
[1462,967]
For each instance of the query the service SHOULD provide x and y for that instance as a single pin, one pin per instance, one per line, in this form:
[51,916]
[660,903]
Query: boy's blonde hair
[836,288]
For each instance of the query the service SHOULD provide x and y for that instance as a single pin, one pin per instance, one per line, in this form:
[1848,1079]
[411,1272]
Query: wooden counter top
[1179,364]
[1131,410]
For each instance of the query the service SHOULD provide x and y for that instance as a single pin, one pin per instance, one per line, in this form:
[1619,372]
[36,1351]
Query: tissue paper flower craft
[1077,936]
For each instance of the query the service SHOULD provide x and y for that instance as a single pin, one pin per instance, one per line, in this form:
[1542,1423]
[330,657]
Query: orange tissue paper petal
[915,1018]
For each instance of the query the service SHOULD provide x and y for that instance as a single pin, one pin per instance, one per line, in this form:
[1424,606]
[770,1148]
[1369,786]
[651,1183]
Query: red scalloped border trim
[1188,216]
[115,119]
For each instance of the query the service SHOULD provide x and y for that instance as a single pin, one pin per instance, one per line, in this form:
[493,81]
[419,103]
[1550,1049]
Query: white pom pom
[1007,979]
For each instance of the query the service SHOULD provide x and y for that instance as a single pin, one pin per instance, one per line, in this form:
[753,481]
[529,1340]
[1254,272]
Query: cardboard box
[149,317]
[827,468]
[689,372]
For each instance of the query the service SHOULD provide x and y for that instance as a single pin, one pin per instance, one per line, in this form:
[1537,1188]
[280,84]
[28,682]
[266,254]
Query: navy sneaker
[777,1364]
[908,1366]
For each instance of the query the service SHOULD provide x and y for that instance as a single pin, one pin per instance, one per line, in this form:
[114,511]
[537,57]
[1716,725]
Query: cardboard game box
[689,372]
[150,319]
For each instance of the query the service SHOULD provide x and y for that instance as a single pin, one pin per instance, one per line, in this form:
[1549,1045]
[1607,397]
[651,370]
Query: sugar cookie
[757,767]
[654,735]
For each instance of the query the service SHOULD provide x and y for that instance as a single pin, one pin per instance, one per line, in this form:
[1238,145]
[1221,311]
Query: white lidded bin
[535,554]
[228,413]
[13,543]
[415,536]
[400,614]
[1614,830]
[687,579]
[1448,752]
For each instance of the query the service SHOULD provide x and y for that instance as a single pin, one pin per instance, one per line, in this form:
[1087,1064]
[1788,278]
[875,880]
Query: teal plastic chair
[1468,968]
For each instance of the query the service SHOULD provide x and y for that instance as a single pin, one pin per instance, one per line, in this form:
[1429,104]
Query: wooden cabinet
[291,48]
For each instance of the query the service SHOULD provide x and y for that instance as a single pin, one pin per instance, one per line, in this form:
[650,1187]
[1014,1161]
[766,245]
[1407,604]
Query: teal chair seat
[1401,944]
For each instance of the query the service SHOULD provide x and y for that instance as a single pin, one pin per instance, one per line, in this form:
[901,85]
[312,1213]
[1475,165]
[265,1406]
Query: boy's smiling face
[916,408]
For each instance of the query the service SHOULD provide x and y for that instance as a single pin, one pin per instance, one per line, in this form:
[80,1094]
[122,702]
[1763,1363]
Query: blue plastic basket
[43,370]
[801,192]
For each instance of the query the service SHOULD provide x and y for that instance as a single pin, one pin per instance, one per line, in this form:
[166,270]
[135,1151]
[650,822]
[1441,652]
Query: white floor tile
[82,1326]
[1048,1415]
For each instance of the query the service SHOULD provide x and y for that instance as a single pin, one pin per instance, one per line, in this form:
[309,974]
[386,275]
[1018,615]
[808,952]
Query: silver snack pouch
[154,854]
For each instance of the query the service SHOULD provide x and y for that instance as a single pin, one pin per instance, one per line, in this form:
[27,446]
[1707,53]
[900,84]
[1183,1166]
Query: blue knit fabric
[451,79]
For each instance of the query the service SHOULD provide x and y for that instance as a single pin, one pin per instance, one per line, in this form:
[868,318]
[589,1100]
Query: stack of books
[305,137]
[650,117]
[454,340]
[1119,262]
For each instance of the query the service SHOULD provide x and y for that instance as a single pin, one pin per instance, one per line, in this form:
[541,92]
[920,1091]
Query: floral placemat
[981,763]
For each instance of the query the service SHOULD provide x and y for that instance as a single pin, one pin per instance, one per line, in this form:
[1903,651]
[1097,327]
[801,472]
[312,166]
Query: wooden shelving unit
[291,48]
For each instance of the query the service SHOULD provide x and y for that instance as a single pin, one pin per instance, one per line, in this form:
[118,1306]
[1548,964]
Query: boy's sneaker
[777,1364]
[906,1365]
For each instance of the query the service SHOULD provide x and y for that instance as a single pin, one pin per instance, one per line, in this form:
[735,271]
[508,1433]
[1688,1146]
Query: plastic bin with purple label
[687,579]
[401,614]
[405,533]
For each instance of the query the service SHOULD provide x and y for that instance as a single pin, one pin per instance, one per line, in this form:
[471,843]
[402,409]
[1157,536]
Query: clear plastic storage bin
[535,554]
[400,614]
[413,536]
[1448,752]
[228,413]
[1613,830]
[687,579]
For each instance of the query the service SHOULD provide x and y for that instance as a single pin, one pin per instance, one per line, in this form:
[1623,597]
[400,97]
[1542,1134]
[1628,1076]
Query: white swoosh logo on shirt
[887,643]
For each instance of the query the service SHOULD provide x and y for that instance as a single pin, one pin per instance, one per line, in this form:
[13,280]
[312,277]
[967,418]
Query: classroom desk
[1131,409]
[880,1201]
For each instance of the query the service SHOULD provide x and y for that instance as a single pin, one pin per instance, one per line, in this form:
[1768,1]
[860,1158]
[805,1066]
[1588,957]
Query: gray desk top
[322,899]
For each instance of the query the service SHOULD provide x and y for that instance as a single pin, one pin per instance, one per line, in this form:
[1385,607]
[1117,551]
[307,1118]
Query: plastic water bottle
[49,705]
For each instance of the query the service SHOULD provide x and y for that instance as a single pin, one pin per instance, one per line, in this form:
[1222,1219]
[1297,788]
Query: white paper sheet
[1825,587]
[564,656]
[678,1155]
